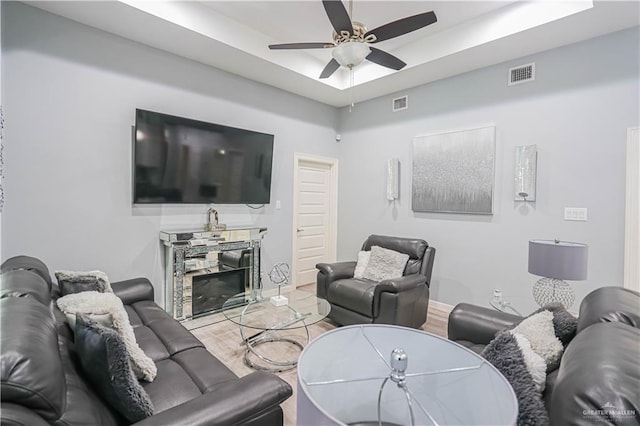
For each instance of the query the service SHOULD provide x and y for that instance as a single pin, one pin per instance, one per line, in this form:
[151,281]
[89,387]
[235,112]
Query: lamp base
[548,290]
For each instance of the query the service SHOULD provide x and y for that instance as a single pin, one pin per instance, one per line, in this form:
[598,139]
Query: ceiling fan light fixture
[350,53]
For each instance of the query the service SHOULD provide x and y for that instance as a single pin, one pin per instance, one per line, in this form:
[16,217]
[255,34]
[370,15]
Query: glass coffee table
[261,322]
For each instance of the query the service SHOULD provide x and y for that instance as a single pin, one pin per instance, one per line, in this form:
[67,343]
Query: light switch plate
[278,204]
[575,213]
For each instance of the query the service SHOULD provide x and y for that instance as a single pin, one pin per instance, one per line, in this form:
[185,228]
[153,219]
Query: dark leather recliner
[401,301]
[598,380]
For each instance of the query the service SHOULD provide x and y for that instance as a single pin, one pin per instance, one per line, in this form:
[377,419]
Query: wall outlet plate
[575,214]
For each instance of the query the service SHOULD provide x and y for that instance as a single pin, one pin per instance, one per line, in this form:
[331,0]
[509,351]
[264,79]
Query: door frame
[632,211]
[333,208]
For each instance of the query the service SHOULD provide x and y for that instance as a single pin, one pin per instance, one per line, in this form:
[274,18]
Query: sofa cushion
[353,294]
[415,248]
[27,263]
[105,361]
[25,283]
[475,347]
[31,368]
[598,378]
[610,304]
[185,368]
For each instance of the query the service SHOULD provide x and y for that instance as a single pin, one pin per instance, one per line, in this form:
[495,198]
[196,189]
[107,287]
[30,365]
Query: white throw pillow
[385,264]
[534,362]
[361,265]
[538,329]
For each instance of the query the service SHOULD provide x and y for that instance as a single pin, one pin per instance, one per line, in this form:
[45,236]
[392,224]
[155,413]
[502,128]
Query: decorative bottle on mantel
[213,225]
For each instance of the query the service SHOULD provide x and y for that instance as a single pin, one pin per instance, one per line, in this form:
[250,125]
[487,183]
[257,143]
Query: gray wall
[70,94]
[577,111]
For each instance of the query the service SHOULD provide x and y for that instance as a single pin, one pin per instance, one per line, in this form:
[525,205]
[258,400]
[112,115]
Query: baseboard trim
[442,306]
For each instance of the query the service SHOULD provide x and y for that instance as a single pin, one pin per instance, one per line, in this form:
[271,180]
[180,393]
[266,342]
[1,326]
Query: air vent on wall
[400,103]
[522,74]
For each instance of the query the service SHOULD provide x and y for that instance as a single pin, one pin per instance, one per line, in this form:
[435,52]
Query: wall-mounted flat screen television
[182,161]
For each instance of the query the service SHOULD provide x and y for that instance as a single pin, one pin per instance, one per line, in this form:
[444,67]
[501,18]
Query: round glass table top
[437,382]
[302,309]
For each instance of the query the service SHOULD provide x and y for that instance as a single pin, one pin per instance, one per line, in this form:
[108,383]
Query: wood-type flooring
[223,340]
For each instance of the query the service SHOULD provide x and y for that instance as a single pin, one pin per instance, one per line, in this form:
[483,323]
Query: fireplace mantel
[189,253]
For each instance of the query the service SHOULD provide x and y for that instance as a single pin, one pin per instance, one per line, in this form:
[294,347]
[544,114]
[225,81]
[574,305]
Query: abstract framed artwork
[454,172]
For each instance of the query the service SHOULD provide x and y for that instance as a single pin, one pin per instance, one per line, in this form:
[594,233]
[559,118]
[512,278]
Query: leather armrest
[17,415]
[598,377]
[232,403]
[397,285]
[478,324]
[330,272]
[133,290]
[337,271]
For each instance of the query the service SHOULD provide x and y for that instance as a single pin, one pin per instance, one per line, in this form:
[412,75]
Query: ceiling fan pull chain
[351,82]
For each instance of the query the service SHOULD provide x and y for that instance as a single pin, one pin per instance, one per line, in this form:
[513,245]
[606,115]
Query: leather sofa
[598,380]
[401,301]
[43,383]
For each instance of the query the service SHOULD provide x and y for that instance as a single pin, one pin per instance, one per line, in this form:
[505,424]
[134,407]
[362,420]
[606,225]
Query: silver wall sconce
[525,173]
[393,179]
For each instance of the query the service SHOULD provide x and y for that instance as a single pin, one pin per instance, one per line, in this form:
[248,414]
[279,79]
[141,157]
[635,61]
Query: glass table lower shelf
[261,323]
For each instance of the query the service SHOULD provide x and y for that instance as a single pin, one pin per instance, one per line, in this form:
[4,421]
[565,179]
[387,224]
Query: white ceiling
[234,35]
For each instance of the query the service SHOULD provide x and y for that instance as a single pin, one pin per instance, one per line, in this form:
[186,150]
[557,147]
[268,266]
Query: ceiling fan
[351,39]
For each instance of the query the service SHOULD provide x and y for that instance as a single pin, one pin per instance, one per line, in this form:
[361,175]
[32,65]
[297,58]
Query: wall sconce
[525,173]
[393,179]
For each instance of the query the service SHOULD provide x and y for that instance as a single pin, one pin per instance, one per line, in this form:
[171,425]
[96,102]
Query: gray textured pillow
[105,361]
[385,264]
[78,281]
[505,354]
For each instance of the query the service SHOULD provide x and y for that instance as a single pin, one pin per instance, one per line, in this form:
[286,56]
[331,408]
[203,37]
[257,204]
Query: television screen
[179,160]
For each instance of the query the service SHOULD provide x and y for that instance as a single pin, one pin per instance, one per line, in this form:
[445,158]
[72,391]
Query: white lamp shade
[350,53]
[561,260]
[341,373]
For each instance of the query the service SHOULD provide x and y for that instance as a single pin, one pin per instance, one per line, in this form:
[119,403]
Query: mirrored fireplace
[204,268]
[210,291]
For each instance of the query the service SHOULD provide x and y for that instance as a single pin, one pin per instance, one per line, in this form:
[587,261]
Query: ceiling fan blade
[331,67]
[402,26]
[338,15]
[385,59]
[301,46]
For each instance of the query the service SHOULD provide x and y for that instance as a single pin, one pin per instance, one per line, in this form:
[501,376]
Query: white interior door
[632,214]
[315,215]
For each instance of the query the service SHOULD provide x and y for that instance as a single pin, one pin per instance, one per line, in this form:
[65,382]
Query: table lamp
[556,261]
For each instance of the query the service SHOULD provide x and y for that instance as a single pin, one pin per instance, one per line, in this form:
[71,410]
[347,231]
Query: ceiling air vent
[522,74]
[400,103]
